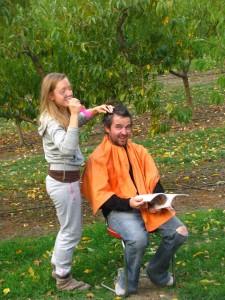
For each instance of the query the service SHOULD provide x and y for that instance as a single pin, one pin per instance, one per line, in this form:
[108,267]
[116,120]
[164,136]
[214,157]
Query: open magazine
[160,200]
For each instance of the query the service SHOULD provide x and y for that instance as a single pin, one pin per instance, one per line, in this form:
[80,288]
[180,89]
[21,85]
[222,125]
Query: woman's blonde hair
[48,106]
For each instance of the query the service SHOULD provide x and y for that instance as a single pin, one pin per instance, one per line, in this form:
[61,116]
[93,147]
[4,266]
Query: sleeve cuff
[72,129]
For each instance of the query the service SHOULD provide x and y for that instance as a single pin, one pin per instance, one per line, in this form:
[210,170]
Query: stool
[116,235]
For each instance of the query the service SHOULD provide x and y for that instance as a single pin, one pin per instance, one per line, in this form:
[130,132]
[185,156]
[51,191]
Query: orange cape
[107,173]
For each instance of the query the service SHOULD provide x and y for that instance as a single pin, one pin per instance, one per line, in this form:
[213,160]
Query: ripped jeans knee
[182,230]
[181,235]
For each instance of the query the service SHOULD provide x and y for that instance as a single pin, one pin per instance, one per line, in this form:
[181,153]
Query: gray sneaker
[170,282]
[120,284]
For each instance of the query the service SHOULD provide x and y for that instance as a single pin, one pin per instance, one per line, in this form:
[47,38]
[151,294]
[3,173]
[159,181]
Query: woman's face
[62,93]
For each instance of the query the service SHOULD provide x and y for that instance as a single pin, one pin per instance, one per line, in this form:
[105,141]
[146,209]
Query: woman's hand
[102,109]
[74,106]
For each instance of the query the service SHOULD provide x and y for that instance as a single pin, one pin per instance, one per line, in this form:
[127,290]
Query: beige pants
[67,200]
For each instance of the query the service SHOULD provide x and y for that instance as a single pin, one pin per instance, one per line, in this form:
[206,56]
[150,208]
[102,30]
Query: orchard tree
[17,98]
[79,40]
[18,81]
[217,45]
[193,25]
[170,34]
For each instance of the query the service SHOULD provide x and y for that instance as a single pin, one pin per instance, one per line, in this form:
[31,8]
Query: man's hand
[153,210]
[137,203]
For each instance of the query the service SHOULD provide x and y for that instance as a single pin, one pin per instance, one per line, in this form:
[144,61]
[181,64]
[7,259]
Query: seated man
[116,172]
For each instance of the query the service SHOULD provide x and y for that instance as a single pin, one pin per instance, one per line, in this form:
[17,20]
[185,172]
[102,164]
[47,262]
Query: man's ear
[107,129]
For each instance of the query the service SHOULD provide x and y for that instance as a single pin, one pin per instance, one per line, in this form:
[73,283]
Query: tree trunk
[187,90]
[20,133]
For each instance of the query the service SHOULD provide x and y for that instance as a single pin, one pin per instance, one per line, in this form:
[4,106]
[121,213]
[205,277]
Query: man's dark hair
[120,110]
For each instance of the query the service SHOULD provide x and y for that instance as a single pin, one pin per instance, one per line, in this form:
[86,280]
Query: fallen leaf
[31,272]
[90,295]
[90,249]
[206,281]
[37,262]
[200,253]
[6,291]
[206,227]
[85,238]
[50,293]
[87,271]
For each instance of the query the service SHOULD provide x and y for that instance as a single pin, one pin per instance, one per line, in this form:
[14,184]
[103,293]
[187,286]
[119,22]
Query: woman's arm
[87,114]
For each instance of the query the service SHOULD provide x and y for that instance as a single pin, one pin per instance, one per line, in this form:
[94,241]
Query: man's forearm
[117,203]
[123,204]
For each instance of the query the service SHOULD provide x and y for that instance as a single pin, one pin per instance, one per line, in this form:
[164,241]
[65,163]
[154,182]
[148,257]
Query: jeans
[132,230]
[67,200]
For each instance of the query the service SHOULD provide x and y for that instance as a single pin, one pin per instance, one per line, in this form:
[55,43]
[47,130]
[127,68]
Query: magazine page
[159,200]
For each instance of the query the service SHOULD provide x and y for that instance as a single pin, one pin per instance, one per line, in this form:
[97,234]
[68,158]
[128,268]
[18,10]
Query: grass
[25,263]
[202,260]
[25,268]
[188,147]
[20,168]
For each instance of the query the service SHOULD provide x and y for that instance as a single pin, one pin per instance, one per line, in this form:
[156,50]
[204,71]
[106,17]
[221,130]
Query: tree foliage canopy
[109,49]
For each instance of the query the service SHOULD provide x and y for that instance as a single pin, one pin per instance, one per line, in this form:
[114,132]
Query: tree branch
[36,61]
[178,74]
[129,53]
[27,119]
[120,34]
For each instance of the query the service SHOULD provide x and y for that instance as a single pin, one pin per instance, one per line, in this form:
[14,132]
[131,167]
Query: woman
[60,116]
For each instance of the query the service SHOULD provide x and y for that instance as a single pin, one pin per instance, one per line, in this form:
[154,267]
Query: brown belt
[65,176]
